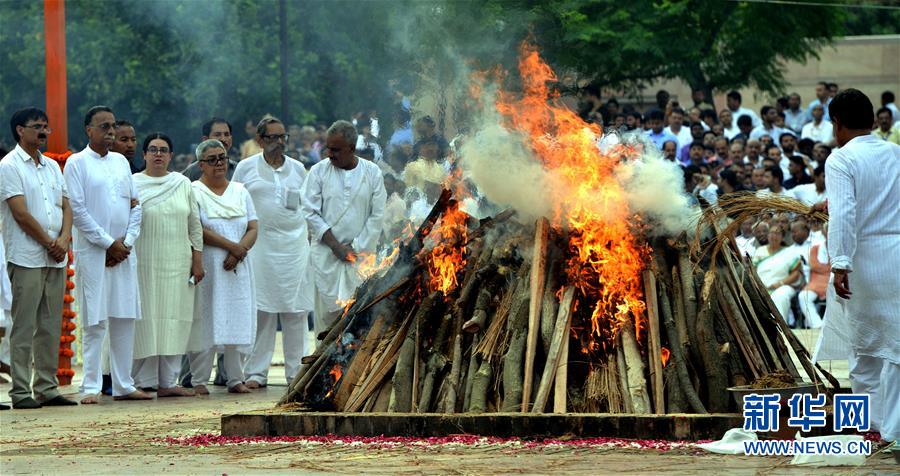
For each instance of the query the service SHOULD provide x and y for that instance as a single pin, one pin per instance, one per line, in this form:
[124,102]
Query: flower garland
[64,372]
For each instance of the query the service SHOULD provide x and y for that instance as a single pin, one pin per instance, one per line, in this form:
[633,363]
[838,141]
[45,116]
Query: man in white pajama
[281,254]
[343,201]
[863,186]
[107,219]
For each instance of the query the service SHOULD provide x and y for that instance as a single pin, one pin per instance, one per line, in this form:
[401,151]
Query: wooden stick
[382,368]
[517,328]
[538,277]
[560,333]
[561,385]
[350,378]
[634,365]
[623,378]
[678,360]
[655,354]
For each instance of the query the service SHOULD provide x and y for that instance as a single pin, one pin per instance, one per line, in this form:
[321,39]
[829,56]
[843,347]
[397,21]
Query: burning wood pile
[586,310]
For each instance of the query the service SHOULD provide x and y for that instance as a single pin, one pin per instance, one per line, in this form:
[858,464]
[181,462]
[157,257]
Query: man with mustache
[37,223]
[281,253]
[107,220]
[126,144]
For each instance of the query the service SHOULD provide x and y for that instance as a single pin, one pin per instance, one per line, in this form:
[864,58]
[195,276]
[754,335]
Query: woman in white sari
[227,300]
[169,252]
[779,269]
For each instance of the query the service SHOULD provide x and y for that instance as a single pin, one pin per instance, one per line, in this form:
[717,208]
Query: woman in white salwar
[227,299]
[170,263]
[778,268]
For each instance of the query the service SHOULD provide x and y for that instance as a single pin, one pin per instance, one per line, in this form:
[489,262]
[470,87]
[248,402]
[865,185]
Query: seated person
[778,268]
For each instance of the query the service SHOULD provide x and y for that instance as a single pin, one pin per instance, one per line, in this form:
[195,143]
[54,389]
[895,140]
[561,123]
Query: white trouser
[158,371]
[104,356]
[202,363]
[881,380]
[121,352]
[324,316]
[808,307]
[782,298]
[4,347]
[293,339]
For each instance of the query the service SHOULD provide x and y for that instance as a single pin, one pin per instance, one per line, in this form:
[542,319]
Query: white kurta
[100,194]
[863,187]
[170,230]
[227,299]
[350,203]
[281,253]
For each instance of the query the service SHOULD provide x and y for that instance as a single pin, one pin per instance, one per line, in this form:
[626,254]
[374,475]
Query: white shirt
[808,194]
[731,132]
[684,138]
[743,111]
[280,256]
[44,188]
[100,194]
[823,132]
[775,133]
[895,113]
[796,120]
[746,245]
[351,204]
[802,251]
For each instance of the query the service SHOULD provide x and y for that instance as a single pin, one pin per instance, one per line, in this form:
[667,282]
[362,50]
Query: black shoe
[59,401]
[4,406]
[106,386]
[26,403]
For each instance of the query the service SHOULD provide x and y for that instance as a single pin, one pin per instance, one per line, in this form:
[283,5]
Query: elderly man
[107,218]
[343,201]
[281,255]
[220,130]
[863,187]
[37,223]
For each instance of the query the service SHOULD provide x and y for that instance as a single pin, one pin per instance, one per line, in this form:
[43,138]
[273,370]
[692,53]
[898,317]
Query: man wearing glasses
[107,218]
[343,201]
[37,223]
[281,253]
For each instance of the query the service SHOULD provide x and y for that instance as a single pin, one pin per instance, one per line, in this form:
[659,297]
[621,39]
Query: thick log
[437,360]
[401,396]
[479,317]
[350,378]
[481,384]
[742,330]
[686,273]
[675,397]
[517,325]
[655,352]
[453,392]
[727,313]
[561,381]
[634,366]
[549,302]
[622,373]
[560,333]
[470,372]
[536,291]
[716,380]
[386,363]
[677,354]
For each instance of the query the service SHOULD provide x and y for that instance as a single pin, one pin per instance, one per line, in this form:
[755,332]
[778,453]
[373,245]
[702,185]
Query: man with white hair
[863,187]
[343,202]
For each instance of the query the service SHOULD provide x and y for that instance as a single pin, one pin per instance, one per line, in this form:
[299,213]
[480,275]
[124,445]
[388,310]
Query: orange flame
[336,373]
[447,258]
[605,258]
[664,355]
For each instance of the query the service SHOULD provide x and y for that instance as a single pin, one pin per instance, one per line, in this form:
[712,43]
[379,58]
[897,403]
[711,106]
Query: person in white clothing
[37,221]
[170,264]
[343,202]
[863,179]
[733,101]
[107,215]
[812,193]
[768,127]
[676,129]
[227,295]
[820,129]
[778,268]
[281,254]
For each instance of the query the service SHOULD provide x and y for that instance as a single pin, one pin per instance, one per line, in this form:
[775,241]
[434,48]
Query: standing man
[126,144]
[107,218]
[37,223]
[343,201]
[863,187]
[794,116]
[281,256]
[823,98]
[220,130]
[733,100]
[768,127]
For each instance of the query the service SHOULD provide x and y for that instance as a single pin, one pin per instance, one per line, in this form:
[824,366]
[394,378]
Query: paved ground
[129,438]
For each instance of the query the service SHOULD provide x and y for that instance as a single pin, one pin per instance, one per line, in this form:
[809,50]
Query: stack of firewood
[510,337]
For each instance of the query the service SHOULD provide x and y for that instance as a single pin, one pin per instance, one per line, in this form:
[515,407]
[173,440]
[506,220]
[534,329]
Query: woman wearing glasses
[227,304]
[169,252]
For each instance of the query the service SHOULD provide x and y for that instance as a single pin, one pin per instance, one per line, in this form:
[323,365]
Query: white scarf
[155,190]
[231,204]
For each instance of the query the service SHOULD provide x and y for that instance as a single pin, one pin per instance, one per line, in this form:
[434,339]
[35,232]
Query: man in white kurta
[281,254]
[343,202]
[107,218]
[863,187]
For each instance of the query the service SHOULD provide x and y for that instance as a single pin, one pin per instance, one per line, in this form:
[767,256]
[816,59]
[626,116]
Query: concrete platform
[525,425]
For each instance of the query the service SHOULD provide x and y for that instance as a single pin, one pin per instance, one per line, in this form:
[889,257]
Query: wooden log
[561,381]
[677,355]
[517,326]
[401,396]
[761,314]
[437,360]
[538,278]
[686,273]
[351,376]
[470,372]
[675,397]
[762,339]
[455,368]
[549,301]
[479,317]
[655,352]
[560,333]
[749,359]
[678,309]
[742,331]
[481,384]
[634,366]
[716,381]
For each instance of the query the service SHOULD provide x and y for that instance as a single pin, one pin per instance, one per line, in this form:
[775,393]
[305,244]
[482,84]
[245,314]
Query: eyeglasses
[275,137]
[218,160]
[105,126]
[158,150]
[39,127]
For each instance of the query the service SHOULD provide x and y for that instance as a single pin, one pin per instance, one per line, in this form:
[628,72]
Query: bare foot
[253,384]
[201,390]
[135,395]
[239,388]
[90,400]
[174,392]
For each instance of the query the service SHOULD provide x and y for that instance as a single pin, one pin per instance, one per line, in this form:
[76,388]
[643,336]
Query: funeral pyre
[585,310]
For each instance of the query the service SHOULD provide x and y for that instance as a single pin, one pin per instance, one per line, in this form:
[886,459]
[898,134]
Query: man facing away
[280,257]
[37,223]
[863,187]
[343,202]
[107,218]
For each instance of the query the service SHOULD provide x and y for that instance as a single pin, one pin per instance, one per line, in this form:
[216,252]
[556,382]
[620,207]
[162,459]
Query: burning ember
[447,258]
[664,354]
[336,372]
[605,259]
